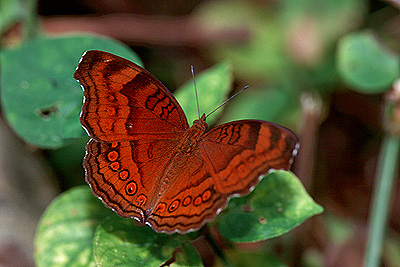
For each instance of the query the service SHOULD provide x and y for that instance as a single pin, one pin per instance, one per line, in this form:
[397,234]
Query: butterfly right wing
[229,160]
[238,153]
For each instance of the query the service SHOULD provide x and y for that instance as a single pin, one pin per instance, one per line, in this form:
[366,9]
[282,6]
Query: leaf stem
[30,17]
[386,175]
[215,247]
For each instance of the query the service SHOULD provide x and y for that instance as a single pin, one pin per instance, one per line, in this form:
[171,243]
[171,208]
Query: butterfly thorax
[192,135]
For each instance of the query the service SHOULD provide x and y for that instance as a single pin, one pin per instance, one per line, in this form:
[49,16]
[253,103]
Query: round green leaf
[65,233]
[120,242]
[270,104]
[278,204]
[40,98]
[213,86]
[364,63]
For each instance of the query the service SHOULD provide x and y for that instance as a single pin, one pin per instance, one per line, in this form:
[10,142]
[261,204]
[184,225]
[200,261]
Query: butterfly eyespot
[186,201]
[174,205]
[150,152]
[112,155]
[114,144]
[161,207]
[206,195]
[123,175]
[114,165]
[131,188]
[141,200]
[197,201]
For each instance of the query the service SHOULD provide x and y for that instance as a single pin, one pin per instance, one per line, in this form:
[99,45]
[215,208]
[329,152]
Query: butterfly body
[145,162]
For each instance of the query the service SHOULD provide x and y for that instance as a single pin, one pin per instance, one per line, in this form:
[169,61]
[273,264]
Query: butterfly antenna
[195,91]
[226,101]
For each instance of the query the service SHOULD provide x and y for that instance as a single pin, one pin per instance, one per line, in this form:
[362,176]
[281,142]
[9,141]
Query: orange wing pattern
[125,102]
[122,175]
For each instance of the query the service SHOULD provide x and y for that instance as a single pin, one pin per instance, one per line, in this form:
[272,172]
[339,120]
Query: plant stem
[215,247]
[30,17]
[385,177]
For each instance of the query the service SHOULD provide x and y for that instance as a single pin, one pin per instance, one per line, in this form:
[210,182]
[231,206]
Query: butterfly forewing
[125,102]
[237,153]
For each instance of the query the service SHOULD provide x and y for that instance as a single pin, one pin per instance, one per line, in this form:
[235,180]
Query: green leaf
[278,105]
[120,242]
[364,63]
[213,86]
[40,98]
[278,204]
[66,229]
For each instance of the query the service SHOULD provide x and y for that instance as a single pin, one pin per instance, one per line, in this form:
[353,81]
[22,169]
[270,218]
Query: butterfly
[145,162]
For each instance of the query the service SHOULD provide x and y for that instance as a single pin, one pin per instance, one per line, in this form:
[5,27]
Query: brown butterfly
[145,162]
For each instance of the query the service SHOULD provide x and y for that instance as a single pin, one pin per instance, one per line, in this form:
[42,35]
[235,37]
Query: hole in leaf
[46,112]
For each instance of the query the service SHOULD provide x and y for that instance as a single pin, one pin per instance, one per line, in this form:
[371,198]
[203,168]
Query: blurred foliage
[288,39]
[246,258]
[366,64]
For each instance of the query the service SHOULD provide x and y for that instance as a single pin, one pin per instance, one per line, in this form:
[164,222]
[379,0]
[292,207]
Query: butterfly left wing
[229,160]
[125,102]
[134,122]
[123,174]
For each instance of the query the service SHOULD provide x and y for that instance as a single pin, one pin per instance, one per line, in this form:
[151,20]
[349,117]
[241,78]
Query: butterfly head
[201,123]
